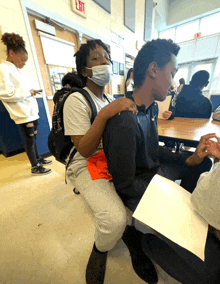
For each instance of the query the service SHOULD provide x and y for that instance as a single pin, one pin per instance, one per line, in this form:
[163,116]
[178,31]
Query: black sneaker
[45,162]
[39,170]
[142,265]
[95,270]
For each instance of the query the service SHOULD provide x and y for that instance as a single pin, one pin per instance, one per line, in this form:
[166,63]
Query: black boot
[142,265]
[95,270]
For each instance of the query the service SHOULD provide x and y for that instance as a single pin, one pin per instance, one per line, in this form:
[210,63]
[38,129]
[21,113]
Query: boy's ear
[152,70]
[87,73]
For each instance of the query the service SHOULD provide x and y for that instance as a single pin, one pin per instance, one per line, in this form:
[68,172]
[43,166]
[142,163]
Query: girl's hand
[33,92]
[167,114]
[201,150]
[119,105]
[213,147]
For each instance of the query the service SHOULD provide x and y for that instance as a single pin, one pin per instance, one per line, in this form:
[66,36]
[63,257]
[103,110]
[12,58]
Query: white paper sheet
[165,105]
[166,208]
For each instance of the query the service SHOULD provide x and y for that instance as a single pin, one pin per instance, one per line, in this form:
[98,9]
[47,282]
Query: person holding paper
[178,262]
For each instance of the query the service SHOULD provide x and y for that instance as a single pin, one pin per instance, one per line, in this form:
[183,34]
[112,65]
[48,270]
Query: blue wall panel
[43,129]
[105,4]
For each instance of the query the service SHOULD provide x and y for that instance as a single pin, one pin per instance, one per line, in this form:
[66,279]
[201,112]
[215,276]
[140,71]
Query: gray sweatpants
[110,214]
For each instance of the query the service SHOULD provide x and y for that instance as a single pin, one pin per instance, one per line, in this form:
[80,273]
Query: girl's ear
[11,53]
[152,70]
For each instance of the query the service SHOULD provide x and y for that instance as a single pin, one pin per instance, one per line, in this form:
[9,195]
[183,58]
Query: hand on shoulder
[119,105]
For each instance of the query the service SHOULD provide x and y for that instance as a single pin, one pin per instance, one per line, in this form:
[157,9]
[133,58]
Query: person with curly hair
[19,98]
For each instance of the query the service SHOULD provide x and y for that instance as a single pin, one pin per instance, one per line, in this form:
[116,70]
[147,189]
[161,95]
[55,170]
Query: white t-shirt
[130,85]
[77,117]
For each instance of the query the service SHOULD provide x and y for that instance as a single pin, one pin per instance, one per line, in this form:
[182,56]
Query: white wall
[180,10]
[98,21]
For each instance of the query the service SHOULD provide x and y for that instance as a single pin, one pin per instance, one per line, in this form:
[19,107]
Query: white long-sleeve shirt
[216,114]
[15,94]
[206,196]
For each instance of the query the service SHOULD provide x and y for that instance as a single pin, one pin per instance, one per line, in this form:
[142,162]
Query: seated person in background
[69,81]
[178,262]
[170,114]
[216,114]
[167,114]
[129,82]
[191,103]
[131,141]
[182,83]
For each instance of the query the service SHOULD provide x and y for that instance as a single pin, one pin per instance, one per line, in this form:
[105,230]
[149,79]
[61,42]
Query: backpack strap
[94,114]
[106,98]
[91,103]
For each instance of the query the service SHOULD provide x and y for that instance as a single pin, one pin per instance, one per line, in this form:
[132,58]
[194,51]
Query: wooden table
[186,130]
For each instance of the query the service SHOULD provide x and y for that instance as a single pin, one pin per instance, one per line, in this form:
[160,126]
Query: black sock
[132,237]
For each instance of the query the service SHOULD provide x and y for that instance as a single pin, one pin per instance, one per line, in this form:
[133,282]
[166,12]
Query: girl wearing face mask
[18,98]
[94,68]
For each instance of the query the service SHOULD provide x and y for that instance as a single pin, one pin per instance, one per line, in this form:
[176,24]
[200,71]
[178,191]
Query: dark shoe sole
[41,174]
[49,163]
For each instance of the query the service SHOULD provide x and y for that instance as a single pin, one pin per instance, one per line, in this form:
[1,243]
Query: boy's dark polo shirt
[132,150]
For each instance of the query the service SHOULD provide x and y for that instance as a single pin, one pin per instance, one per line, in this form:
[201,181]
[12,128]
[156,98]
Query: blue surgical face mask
[101,74]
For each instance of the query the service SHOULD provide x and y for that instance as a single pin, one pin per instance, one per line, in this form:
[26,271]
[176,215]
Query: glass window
[210,25]
[182,72]
[154,34]
[187,31]
[56,74]
[168,34]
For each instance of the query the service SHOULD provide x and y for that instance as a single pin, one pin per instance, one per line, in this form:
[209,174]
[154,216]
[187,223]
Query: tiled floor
[47,231]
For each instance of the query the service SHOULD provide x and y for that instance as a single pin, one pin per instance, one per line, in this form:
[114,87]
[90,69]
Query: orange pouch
[97,166]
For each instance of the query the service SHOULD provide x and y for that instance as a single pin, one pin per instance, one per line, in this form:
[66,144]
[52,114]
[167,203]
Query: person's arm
[205,197]
[120,144]
[87,137]
[207,109]
[216,114]
[8,91]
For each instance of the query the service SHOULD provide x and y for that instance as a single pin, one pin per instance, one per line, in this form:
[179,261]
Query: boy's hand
[201,150]
[213,147]
[119,105]
[167,114]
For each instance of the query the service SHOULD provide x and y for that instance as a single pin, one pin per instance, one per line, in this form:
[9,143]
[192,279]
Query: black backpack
[59,144]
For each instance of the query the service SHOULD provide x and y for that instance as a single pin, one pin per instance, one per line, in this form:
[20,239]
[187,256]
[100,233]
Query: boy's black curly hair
[83,53]
[200,78]
[158,51]
[73,80]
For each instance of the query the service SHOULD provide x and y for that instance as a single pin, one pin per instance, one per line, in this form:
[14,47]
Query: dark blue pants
[181,264]
[30,141]
[173,166]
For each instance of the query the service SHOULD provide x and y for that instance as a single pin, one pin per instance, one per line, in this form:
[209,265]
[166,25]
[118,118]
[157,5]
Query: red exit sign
[197,35]
[79,7]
